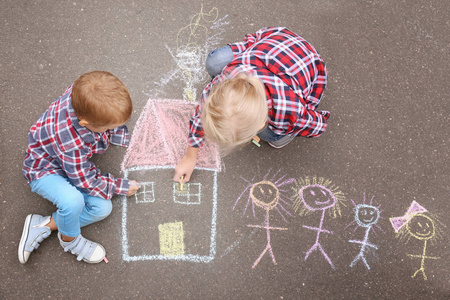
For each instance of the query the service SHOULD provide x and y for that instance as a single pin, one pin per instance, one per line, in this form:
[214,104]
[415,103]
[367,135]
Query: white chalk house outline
[158,143]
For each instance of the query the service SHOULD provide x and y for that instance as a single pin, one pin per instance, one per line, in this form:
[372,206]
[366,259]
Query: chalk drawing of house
[159,222]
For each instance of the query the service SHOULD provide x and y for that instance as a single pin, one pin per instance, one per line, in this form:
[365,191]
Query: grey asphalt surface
[387,141]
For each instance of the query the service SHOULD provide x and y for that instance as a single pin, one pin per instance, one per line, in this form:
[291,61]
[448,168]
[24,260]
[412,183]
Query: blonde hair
[101,98]
[234,111]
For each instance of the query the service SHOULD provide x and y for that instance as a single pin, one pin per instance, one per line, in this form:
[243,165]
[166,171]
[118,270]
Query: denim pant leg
[75,209]
[218,59]
[95,209]
[267,135]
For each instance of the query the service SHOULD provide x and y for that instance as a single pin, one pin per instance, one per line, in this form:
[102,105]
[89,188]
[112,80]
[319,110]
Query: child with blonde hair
[269,85]
[83,121]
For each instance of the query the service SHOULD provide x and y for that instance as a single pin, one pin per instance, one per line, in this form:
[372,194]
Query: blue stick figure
[366,216]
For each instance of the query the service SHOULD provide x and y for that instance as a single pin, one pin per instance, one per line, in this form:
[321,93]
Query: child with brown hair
[268,85]
[82,122]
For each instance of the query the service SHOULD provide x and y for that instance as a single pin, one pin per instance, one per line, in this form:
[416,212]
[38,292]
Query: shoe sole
[23,239]
[282,145]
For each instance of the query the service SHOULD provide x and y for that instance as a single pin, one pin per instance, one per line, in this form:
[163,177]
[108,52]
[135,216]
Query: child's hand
[134,186]
[186,166]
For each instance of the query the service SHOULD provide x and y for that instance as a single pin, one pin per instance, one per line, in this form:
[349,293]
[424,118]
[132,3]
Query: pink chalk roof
[160,137]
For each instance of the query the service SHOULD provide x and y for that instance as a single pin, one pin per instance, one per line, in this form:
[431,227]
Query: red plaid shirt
[58,144]
[294,76]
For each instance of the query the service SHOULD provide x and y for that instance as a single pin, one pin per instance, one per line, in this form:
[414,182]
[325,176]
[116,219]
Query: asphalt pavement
[384,159]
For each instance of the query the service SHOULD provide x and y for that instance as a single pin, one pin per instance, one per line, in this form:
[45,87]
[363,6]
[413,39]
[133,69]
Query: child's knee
[102,210]
[218,59]
[73,203]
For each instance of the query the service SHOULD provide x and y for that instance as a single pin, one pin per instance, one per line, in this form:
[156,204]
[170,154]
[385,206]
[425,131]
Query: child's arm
[119,136]
[186,165]
[312,123]
[85,175]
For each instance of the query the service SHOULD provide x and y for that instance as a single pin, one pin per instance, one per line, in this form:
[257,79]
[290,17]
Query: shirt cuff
[122,186]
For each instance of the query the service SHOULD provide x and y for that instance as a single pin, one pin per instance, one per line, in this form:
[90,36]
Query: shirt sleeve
[312,123]
[86,176]
[119,136]
[196,133]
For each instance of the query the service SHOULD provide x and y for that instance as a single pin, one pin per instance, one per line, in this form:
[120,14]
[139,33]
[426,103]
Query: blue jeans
[218,59]
[75,208]
[267,135]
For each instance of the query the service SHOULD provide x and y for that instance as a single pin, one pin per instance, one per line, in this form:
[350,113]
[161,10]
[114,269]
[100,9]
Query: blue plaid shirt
[58,144]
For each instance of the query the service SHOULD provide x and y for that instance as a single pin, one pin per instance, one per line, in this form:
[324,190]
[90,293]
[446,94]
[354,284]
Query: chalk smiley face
[366,215]
[317,197]
[265,194]
[421,227]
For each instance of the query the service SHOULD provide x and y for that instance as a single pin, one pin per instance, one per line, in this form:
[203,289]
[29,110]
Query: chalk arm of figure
[364,243]
[268,245]
[422,264]
[318,229]
[424,257]
[267,227]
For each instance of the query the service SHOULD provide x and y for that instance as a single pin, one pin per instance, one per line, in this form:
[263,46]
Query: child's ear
[83,122]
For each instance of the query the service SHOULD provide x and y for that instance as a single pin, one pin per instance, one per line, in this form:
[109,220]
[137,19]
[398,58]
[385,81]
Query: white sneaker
[34,232]
[84,249]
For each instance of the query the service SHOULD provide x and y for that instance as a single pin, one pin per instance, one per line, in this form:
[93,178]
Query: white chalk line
[187,257]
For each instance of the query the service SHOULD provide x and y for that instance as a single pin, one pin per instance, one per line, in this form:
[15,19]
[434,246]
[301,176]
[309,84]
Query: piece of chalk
[256,143]
[105,259]
[181,184]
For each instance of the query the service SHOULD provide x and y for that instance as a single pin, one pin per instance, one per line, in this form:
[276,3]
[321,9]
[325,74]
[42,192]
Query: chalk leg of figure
[360,255]
[268,245]
[319,246]
[422,262]
[422,265]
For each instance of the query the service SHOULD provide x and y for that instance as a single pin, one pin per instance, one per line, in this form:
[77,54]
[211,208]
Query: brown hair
[234,112]
[101,98]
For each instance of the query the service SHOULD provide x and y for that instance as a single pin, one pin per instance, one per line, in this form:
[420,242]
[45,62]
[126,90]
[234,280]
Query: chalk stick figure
[318,194]
[267,194]
[421,225]
[366,216]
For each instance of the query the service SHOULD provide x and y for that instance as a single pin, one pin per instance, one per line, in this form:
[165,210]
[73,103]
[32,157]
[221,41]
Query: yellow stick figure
[419,224]
[422,228]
